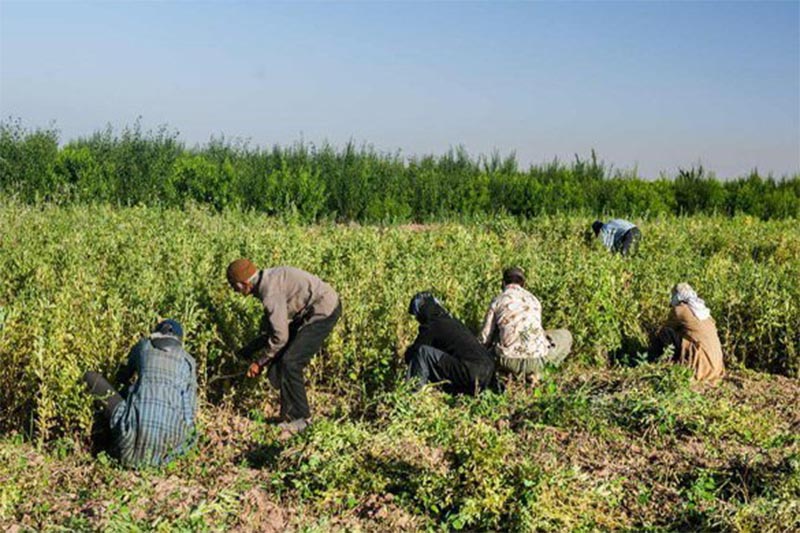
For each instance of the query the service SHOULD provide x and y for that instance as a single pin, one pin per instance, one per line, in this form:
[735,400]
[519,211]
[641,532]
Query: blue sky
[655,86]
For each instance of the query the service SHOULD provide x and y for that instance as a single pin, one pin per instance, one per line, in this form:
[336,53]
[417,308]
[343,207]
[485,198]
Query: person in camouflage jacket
[513,330]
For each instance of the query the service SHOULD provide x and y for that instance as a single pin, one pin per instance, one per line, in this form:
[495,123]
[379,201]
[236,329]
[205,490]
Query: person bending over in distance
[618,235]
[300,311]
[154,421]
[513,330]
[691,331]
[446,351]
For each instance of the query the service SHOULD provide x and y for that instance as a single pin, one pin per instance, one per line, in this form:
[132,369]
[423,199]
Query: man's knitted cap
[240,271]
[170,327]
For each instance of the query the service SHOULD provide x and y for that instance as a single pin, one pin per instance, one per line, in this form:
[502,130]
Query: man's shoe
[290,429]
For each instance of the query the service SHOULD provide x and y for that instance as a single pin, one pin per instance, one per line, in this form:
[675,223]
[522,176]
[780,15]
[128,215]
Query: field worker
[618,235]
[446,351]
[692,332]
[513,330]
[154,421]
[300,312]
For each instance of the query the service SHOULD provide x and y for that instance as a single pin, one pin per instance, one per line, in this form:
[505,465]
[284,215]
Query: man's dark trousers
[430,365]
[630,241]
[286,370]
[103,392]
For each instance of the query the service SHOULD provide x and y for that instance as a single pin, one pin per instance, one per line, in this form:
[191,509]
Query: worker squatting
[152,416]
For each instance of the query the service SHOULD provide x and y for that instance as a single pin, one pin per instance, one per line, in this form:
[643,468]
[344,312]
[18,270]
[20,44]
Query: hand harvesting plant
[300,312]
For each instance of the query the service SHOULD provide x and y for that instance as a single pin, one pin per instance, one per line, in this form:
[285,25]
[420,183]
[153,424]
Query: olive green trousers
[560,346]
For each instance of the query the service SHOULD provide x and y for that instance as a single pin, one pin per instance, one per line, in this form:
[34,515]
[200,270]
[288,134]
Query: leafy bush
[27,162]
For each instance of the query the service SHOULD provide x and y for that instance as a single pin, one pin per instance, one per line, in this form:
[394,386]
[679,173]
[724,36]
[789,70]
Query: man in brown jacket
[300,311]
[693,333]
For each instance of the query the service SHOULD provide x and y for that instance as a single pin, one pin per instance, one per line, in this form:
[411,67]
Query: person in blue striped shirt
[151,422]
[618,235]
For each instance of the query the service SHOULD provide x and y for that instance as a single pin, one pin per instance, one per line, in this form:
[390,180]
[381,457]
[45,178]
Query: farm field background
[609,442]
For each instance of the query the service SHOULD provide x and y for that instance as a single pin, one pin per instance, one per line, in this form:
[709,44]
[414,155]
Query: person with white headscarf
[693,333]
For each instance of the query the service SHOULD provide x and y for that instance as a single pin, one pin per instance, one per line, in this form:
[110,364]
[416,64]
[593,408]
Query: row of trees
[355,182]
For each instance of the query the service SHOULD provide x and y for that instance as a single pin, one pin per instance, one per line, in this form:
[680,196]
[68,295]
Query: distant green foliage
[356,183]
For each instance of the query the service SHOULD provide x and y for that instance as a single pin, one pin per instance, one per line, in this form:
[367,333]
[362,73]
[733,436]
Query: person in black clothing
[446,351]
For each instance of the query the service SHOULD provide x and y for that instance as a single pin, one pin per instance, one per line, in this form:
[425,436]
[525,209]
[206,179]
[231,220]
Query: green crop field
[611,441]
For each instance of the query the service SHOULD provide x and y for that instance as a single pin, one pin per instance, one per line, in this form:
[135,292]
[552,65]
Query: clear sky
[651,85]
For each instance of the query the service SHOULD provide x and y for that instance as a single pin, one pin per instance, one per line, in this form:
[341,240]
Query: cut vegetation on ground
[624,449]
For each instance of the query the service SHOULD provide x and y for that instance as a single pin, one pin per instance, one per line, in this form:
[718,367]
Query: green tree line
[309,182]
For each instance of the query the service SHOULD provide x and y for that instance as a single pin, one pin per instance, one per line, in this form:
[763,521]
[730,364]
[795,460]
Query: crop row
[81,284]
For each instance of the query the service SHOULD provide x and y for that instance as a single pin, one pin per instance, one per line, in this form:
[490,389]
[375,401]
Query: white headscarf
[684,293]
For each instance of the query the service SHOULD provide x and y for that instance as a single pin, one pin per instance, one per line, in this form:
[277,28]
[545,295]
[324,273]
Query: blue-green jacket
[613,232]
[155,423]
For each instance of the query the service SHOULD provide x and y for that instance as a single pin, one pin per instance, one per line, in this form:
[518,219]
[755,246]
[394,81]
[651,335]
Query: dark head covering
[596,227]
[424,304]
[170,327]
[514,275]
